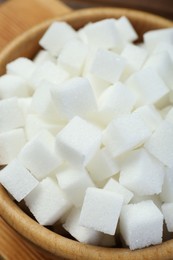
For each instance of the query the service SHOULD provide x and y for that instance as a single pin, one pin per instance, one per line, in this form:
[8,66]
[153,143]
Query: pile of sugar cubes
[86,132]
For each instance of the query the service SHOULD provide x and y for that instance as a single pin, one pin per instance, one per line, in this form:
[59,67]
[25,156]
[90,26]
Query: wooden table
[12,245]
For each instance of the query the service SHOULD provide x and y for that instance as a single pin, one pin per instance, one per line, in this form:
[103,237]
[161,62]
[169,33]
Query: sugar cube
[56,36]
[25,105]
[153,37]
[126,29]
[74,97]
[102,34]
[112,100]
[11,142]
[78,141]
[102,166]
[39,155]
[155,198]
[10,114]
[34,124]
[135,56]
[150,115]
[160,143]
[148,87]
[22,67]
[48,71]
[17,180]
[74,183]
[142,173]
[167,191]
[163,64]
[43,56]
[82,234]
[11,85]
[141,224]
[72,57]
[108,65]
[115,186]
[42,103]
[47,202]
[125,133]
[101,210]
[98,84]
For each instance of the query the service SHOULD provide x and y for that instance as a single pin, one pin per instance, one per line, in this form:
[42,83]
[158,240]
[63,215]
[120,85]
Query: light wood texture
[17,16]
[27,45]
[13,246]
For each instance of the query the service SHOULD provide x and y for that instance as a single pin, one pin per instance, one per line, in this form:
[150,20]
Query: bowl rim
[40,235]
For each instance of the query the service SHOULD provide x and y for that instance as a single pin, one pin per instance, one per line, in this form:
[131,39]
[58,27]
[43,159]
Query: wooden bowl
[27,45]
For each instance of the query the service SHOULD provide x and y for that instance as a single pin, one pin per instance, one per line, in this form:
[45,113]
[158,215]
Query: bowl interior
[27,45]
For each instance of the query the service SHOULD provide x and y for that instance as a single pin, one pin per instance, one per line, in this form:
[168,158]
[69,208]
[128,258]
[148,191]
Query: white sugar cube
[11,85]
[78,141]
[115,186]
[74,183]
[56,36]
[148,87]
[82,234]
[150,115]
[155,198]
[101,210]
[142,173]
[39,155]
[17,180]
[86,235]
[34,124]
[112,100]
[167,191]
[22,67]
[74,97]
[47,202]
[153,37]
[73,56]
[11,115]
[167,209]
[102,34]
[164,46]
[126,29]
[160,143]
[98,84]
[25,105]
[125,133]
[163,64]
[108,65]
[169,115]
[102,166]
[11,142]
[141,224]
[164,111]
[48,71]
[135,57]
[43,56]
[42,103]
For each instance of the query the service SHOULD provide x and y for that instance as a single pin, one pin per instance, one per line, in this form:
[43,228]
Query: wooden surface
[12,245]
[160,7]
[16,16]
[12,23]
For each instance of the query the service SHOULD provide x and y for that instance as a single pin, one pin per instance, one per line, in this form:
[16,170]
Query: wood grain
[15,247]
[17,16]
